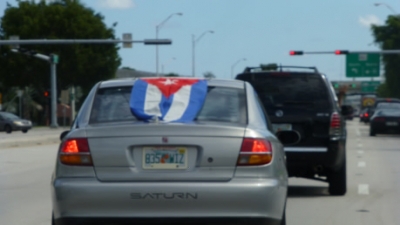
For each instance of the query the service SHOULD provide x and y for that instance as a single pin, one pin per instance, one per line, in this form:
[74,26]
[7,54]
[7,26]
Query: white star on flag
[169,82]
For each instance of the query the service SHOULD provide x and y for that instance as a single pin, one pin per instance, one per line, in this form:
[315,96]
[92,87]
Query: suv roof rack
[280,67]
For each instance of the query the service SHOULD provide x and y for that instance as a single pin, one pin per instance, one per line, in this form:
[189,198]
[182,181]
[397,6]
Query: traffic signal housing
[296,53]
[341,52]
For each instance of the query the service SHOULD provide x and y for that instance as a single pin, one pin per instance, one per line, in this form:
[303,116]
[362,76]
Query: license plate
[391,124]
[165,158]
[281,126]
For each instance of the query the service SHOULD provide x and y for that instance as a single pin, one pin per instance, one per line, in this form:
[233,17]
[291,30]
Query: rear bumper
[87,199]
[383,128]
[304,161]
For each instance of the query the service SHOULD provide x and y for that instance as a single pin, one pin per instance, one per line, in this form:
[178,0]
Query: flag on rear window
[169,99]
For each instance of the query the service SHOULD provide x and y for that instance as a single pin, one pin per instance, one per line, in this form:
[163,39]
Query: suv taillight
[76,152]
[334,129]
[255,151]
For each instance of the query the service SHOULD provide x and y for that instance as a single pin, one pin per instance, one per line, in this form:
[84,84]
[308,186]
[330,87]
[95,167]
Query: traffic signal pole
[53,79]
[53,82]
[345,52]
[54,58]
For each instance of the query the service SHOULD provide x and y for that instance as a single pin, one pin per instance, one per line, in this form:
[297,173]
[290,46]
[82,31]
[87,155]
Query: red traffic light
[46,94]
[296,53]
[341,52]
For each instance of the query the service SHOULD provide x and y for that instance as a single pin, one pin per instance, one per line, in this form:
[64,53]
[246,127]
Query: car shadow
[295,191]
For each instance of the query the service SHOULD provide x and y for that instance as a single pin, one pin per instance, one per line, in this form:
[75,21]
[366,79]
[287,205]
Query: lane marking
[359,145]
[363,189]
[358,132]
[362,164]
[360,152]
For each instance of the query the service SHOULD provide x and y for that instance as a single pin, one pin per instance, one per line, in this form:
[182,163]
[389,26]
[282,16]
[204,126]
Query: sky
[259,31]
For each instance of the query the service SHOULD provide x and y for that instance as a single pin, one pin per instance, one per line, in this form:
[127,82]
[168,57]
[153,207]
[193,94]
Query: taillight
[76,152]
[335,124]
[379,119]
[366,114]
[255,151]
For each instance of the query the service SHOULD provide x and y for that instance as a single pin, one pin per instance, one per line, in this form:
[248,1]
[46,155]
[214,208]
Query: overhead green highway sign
[362,65]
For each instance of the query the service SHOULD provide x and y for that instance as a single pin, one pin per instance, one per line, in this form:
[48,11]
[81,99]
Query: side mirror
[63,134]
[347,110]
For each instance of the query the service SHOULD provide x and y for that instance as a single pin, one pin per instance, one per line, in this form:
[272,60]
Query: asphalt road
[373,195]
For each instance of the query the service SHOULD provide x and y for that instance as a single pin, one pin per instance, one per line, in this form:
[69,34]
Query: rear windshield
[221,105]
[388,112]
[388,105]
[290,90]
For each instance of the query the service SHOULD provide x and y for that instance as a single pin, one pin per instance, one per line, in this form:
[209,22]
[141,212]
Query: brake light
[255,151]
[76,152]
[335,124]
[366,114]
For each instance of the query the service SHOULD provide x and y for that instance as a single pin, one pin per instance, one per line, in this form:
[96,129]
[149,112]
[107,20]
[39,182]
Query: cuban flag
[168,99]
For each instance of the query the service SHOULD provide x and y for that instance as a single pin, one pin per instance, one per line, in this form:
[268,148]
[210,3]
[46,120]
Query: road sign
[369,86]
[362,65]
[127,37]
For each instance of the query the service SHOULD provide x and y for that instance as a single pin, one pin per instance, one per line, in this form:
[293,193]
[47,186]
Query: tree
[387,37]
[80,64]
[208,75]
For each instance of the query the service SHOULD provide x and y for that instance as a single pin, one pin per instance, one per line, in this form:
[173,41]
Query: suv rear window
[222,104]
[289,90]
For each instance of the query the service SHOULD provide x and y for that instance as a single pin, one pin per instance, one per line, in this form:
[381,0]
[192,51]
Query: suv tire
[8,129]
[337,181]
[372,132]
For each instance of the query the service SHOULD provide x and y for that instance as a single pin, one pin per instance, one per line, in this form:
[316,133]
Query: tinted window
[222,104]
[111,105]
[289,90]
[388,113]
[388,105]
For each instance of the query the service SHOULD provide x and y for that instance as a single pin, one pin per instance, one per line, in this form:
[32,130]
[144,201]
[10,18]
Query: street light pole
[158,27]
[233,65]
[387,6]
[194,42]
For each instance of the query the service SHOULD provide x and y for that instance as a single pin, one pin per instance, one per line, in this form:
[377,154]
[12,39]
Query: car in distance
[223,165]
[10,122]
[302,100]
[385,121]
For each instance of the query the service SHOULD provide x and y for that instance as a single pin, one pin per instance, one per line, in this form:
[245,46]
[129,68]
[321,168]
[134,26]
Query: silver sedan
[224,166]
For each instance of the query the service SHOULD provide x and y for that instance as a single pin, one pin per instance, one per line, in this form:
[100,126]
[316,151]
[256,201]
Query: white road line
[362,164]
[359,145]
[360,152]
[358,132]
[363,189]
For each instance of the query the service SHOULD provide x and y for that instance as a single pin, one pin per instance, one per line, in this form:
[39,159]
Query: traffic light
[341,52]
[54,58]
[296,53]
[46,94]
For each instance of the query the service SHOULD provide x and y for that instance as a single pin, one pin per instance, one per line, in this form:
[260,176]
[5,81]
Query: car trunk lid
[141,151]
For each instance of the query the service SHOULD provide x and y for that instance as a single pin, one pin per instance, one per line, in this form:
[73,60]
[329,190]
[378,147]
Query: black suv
[305,104]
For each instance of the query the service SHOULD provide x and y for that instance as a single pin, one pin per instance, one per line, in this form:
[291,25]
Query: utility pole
[53,65]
